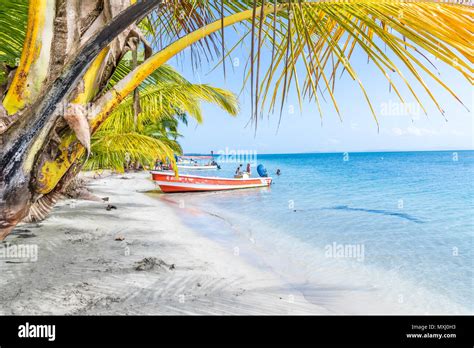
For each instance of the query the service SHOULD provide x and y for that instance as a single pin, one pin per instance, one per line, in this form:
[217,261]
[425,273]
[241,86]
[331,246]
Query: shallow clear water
[410,214]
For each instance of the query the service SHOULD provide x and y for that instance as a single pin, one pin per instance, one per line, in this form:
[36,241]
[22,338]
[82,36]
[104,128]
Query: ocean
[379,232]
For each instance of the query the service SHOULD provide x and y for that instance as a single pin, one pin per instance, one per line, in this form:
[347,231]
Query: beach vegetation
[166,99]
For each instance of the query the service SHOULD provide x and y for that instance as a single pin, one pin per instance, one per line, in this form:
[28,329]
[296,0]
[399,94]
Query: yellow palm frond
[111,150]
[323,36]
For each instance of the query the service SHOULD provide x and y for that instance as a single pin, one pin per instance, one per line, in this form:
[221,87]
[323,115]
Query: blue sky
[303,131]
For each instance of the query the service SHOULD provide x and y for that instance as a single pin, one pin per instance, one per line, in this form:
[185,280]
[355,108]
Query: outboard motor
[262,171]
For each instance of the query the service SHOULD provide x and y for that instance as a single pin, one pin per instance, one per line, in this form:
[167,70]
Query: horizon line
[330,152]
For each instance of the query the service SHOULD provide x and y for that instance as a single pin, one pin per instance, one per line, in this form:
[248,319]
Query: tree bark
[25,139]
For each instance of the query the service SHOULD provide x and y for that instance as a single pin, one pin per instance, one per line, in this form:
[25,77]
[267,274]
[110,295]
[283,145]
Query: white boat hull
[191,167]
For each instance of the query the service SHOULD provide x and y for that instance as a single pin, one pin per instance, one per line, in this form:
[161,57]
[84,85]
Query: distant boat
[196,163]
[197,166]
[169,183]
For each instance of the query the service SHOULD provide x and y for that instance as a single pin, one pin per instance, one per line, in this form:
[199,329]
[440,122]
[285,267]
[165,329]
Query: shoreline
[160,267]
[165,254]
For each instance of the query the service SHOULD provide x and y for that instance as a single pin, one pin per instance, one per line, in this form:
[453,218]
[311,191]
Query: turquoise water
[411,212]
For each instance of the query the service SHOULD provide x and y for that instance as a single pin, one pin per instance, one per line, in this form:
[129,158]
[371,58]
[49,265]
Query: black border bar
[248,330]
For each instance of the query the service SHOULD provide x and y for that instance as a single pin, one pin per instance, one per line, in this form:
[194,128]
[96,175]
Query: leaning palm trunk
[26,137]
[38,148]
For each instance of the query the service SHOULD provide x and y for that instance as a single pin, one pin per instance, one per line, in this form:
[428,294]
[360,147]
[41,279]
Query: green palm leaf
[111,150]
[166,98]
[13,19]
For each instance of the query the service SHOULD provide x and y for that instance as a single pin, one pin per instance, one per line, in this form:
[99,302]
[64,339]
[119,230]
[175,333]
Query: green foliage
[13,19]
[166,98]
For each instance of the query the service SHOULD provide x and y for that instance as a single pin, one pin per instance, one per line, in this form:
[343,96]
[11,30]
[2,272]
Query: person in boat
[278,172]
[158,165]
[238,172]
[248,169]
[214,163]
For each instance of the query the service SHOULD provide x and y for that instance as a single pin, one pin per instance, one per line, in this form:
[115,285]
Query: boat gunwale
[207,188]
[209,177]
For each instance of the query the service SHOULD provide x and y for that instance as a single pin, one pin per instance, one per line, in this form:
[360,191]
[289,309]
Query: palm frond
[166,98]
[111,150]
[166,94]
[13,19]
[323,35]
[164,74]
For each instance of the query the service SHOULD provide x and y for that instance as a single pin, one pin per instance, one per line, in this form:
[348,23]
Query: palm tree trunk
[32,71]
[24,139]
[42,207]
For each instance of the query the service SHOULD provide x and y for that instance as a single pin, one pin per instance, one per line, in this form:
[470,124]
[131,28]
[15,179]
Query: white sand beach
[160,266]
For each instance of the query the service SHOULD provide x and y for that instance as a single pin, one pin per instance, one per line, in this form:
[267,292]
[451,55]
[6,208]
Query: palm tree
[165,99]
[71,49]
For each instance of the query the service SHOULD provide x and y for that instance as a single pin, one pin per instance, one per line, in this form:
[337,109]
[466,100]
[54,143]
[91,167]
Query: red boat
[169,183]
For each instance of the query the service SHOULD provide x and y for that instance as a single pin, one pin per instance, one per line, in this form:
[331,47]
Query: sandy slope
[82,269]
